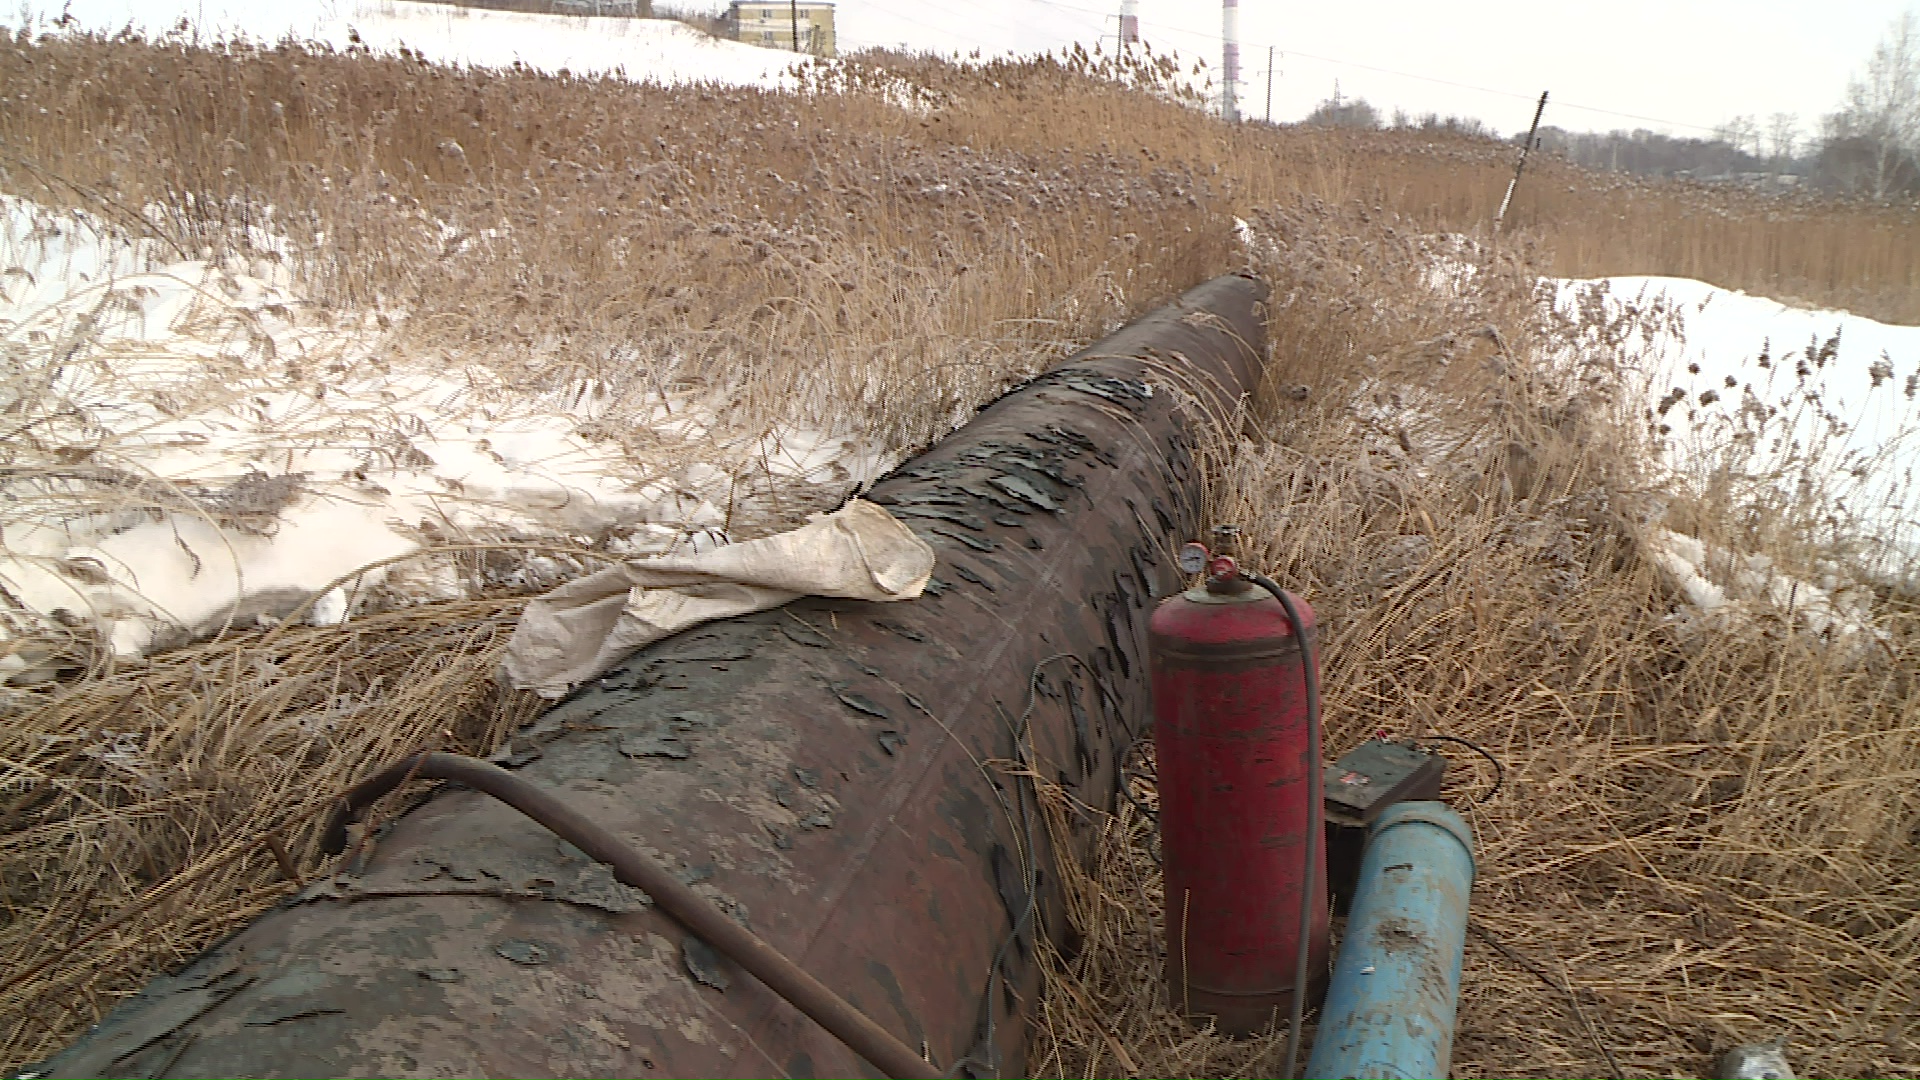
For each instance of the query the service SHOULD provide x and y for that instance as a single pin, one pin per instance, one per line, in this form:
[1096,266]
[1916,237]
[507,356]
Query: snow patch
[1755,401]
[643,50]
[1743,390]
[202,448]
[1717,585]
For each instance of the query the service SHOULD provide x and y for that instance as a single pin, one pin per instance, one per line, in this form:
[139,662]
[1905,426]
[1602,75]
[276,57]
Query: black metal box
[1371,777]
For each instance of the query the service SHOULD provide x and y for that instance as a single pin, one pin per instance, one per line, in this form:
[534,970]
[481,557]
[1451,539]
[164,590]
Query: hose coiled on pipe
[633,867]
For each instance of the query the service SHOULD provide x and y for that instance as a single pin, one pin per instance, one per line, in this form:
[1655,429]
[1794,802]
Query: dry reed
[1703,839]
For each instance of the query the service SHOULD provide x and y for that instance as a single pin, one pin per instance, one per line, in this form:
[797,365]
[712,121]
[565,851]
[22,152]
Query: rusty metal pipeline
[635,868]
[822,773]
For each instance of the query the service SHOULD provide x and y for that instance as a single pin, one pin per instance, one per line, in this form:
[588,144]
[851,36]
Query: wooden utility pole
[1269,84]
[1501,215]
[793,11]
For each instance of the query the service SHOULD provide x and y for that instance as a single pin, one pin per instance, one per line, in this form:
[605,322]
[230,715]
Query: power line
[1496,92]
[1070,7]
[898,14]
[948,32]
[1503,93]
[1211,39]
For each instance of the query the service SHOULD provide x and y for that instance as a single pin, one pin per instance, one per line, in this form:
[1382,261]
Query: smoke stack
[1129,22]
[1230,58]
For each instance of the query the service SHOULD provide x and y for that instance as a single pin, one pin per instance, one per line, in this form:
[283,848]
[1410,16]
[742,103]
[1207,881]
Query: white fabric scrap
[583,628]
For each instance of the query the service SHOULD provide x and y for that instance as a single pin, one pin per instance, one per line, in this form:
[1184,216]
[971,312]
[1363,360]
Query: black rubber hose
[635,868]
[1499,770]
[1315,796]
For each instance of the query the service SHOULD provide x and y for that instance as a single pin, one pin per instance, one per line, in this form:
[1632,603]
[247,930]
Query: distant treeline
[1840,160]
[1837,161]
[1868,146]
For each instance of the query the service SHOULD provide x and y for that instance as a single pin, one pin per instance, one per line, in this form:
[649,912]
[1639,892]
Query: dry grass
[122,854]
[1712,836]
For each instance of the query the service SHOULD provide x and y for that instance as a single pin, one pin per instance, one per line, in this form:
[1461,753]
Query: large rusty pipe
[634,867]
[824,773]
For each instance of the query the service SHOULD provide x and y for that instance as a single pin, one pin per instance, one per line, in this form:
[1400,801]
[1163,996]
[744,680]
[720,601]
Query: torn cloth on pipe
[585,627]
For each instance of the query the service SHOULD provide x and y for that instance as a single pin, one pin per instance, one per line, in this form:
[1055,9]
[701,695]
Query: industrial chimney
[1230,59]
[1129,23]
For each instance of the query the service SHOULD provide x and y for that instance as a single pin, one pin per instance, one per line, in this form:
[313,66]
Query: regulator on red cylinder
[1238,796]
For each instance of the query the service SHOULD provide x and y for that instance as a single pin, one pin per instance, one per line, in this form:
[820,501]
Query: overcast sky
[1687,62]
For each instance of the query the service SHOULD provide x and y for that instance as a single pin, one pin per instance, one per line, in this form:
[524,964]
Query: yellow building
[771,23]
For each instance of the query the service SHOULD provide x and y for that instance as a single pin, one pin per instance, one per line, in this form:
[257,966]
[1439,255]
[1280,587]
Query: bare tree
[1742,133]
[1783,133]
[1875,137]
[1649,153]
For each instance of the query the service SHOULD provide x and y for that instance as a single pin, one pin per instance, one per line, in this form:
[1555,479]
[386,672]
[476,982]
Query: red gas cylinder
[1230,739]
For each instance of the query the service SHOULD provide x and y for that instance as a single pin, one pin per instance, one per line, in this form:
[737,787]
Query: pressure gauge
[1193,558]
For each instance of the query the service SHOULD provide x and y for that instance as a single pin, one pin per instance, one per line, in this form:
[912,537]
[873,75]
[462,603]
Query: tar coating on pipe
[635,868]
[813,770]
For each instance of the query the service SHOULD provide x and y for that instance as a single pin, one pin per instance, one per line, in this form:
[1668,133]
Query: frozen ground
[191,447]
[653,50]
[1821,401]
[499,38]
[1752,396]
[643,50]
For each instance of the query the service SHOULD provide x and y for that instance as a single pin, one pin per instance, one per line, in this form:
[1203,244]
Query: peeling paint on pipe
[688,908]
[814,771]
[1390,1009]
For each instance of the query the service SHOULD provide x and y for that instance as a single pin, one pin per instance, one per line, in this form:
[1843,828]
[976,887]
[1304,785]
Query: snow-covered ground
[645,50]
[1824,398]
[1817,407]
[197,448]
